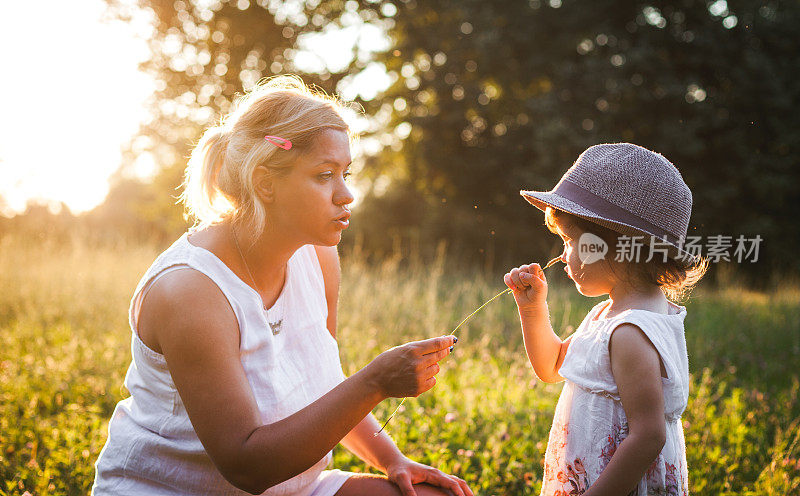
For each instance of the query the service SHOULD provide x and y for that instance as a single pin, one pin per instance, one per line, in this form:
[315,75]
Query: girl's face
[311,201]
[591,279]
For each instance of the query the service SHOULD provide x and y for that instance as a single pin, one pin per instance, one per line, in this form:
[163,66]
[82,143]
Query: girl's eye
[346,175]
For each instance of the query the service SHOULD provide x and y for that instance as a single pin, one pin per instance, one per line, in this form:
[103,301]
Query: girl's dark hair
[676,278]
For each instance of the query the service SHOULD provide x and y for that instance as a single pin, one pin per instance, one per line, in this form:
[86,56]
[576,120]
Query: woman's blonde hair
[218,183]
[675,278]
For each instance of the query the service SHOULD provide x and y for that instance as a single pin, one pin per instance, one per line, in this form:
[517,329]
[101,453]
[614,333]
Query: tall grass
[64,348]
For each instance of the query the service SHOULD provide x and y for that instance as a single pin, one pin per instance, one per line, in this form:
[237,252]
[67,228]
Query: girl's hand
[529,285]
[410,369]
[405,473]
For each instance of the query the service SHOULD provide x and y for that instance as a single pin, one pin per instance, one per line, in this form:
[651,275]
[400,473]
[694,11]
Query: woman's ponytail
[204,201]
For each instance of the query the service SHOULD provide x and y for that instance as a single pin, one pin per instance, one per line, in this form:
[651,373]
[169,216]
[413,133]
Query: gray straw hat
[628,189]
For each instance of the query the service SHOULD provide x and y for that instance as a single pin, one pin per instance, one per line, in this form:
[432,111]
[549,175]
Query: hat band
[610,211]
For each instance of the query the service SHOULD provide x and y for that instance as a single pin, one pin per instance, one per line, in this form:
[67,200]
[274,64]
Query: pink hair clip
[279,142]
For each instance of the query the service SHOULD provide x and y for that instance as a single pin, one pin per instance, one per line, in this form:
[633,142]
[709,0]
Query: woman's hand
[410,369]
[405,473]
[529,285]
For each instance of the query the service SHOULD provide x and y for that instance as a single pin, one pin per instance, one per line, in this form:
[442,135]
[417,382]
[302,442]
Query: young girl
[617,426]
[236,385]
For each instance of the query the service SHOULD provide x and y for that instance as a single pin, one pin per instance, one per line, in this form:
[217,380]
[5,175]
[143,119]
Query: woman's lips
[343,221]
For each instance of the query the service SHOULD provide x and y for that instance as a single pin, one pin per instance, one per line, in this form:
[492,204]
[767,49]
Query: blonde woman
[236,385]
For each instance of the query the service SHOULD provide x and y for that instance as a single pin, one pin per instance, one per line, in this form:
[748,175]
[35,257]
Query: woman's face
[591,279]
[311,201]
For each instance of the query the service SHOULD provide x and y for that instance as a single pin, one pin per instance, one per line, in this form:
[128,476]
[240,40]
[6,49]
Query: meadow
[65,346]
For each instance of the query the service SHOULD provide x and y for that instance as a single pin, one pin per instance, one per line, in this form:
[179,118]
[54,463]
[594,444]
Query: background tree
[505,95]
[493,96]
[202,55]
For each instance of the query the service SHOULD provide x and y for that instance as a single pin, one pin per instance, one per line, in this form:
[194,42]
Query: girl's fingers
[515,278]
[509,282]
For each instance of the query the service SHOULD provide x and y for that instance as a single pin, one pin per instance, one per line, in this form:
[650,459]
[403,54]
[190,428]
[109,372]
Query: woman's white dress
[152,448]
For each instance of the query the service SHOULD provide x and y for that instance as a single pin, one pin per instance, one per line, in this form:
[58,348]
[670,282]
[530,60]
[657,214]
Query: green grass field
[65,346]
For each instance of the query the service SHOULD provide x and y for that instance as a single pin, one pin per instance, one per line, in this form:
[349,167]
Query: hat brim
[544,199]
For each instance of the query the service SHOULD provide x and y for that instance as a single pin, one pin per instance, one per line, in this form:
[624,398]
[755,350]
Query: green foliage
[503,96]
[64,348]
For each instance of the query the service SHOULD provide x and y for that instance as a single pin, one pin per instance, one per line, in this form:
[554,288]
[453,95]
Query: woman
[236,384]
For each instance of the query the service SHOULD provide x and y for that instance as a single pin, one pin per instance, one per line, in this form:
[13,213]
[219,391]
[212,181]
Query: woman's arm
[545,349]
[635,364]
[197,333]
[378,451]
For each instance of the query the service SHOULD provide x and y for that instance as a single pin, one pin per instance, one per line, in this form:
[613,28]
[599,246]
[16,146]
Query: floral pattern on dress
[619,431]
[671,484]
[571,477]
[574,481]
[567,473]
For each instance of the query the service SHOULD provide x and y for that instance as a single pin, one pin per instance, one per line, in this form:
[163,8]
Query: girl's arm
[545,349]
[197,332]
[635,364]
[379,451]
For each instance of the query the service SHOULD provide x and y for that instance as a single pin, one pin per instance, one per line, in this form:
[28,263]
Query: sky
[73,97]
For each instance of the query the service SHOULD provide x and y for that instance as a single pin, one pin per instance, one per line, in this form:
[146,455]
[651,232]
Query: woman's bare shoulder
[183,302]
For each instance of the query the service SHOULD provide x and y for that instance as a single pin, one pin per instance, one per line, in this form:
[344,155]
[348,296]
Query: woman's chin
[331,239]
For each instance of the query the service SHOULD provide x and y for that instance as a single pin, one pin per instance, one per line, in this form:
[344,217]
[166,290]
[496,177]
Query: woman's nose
[343,195]
[564,255]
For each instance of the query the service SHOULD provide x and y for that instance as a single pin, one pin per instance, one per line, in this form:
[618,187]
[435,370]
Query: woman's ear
[264,184]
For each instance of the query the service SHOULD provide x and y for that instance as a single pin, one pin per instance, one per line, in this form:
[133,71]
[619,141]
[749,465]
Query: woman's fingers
[464,486]
[441,479]
[427,385]
[405,485]
[432,358]
[433,345]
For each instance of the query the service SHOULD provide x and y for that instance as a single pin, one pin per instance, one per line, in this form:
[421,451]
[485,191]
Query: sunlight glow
[75,97]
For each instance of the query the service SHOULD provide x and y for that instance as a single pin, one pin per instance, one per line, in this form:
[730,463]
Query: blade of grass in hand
[551,262]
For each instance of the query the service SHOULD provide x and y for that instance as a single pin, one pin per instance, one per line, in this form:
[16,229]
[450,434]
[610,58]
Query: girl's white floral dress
[590,423]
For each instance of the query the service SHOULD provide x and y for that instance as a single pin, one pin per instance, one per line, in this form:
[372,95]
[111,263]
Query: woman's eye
[326,175]
[346,175]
